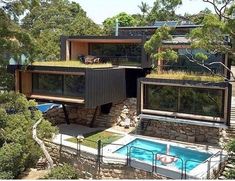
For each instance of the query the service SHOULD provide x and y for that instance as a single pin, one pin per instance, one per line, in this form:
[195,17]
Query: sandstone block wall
[126,110]
[88,167]
[185,132]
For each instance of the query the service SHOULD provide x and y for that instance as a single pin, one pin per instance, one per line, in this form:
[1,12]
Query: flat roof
[155,27]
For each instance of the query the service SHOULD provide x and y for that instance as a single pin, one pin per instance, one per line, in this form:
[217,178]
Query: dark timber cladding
[224,95]
[104,86]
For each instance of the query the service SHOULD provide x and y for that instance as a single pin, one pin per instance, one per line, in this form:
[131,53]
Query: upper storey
[127,51]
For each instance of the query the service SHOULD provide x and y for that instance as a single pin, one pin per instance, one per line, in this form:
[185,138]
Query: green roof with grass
[185,76]
[70,63]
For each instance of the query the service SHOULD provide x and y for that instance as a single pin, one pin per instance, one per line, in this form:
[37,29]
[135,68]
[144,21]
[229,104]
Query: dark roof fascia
[187,82]
[103,37]
[12,68]
[155,27]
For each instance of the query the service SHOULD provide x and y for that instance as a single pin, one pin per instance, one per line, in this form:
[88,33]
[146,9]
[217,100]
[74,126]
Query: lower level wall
[184,132]
[127,110]
[88,167]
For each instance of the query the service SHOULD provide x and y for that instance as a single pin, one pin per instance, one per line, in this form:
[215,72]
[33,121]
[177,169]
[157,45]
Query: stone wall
[126,110]
[184,132]
[87,165]
[84,116]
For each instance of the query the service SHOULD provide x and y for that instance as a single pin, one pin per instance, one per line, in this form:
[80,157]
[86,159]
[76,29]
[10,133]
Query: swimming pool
[45,107]
[146,151]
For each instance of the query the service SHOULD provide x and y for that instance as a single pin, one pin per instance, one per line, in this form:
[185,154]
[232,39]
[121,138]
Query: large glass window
[47,83]
[198,101]
[183,63]
[120,54]
[74,85]
[62,85]
[161,98]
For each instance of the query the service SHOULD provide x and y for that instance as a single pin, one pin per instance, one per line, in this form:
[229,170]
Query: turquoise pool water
[45,107]
[139,150]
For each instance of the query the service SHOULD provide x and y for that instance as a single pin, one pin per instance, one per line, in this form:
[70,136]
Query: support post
[94,117]
[65,114]
[99,153]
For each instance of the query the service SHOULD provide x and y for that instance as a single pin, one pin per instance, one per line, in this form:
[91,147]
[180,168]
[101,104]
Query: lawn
[92,138]
[71,63]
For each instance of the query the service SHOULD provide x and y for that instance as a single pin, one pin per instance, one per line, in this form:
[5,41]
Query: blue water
[45,107]
[145,150]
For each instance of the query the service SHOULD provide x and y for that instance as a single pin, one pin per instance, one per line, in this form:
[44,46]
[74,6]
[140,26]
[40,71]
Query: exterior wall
[185,132]
[87,164]
[26,83]
[104,86]
[77,49]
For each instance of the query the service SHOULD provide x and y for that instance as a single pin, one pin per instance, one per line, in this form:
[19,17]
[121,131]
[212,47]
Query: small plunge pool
[146,151]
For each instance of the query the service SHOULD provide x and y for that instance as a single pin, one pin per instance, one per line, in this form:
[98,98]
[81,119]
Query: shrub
[63,172]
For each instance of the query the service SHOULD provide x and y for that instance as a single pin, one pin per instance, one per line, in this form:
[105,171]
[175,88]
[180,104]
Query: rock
[124,116]
[200,138]
[122,123]
[127,123]
[191,139]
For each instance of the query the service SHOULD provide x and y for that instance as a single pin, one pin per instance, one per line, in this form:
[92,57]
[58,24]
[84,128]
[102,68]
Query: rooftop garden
[185,76]
[70,63]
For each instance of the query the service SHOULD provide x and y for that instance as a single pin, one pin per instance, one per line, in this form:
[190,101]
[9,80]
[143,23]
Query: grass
[92,138]
[72,63]
[185,76]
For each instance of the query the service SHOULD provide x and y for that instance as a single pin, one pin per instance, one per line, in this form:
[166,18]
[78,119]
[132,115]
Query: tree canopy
[18,150]
[124,19]
[47,22]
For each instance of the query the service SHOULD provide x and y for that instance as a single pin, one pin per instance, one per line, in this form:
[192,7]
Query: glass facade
[59,85]
[118,54]
[183,64]
[188,100]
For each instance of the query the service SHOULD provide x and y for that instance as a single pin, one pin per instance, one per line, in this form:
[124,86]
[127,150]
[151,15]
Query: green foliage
[230,174]
[163,10]
[168,54]
[11,159]
[47,22]
[63,172]
[18,150]
[13,43]
[201,56]
[231,146]
[124,19]
[151,46]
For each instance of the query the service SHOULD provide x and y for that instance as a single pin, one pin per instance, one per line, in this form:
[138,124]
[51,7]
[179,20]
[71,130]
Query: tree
[18,150]
[124,19]
[63,172]
[53,18]
[210,39]
[155,42]
[163,10]
[13,43]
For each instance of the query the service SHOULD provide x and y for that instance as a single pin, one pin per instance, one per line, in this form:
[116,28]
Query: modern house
[190,105]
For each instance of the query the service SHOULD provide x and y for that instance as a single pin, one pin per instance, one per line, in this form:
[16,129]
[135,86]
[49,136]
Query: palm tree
[144,8]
